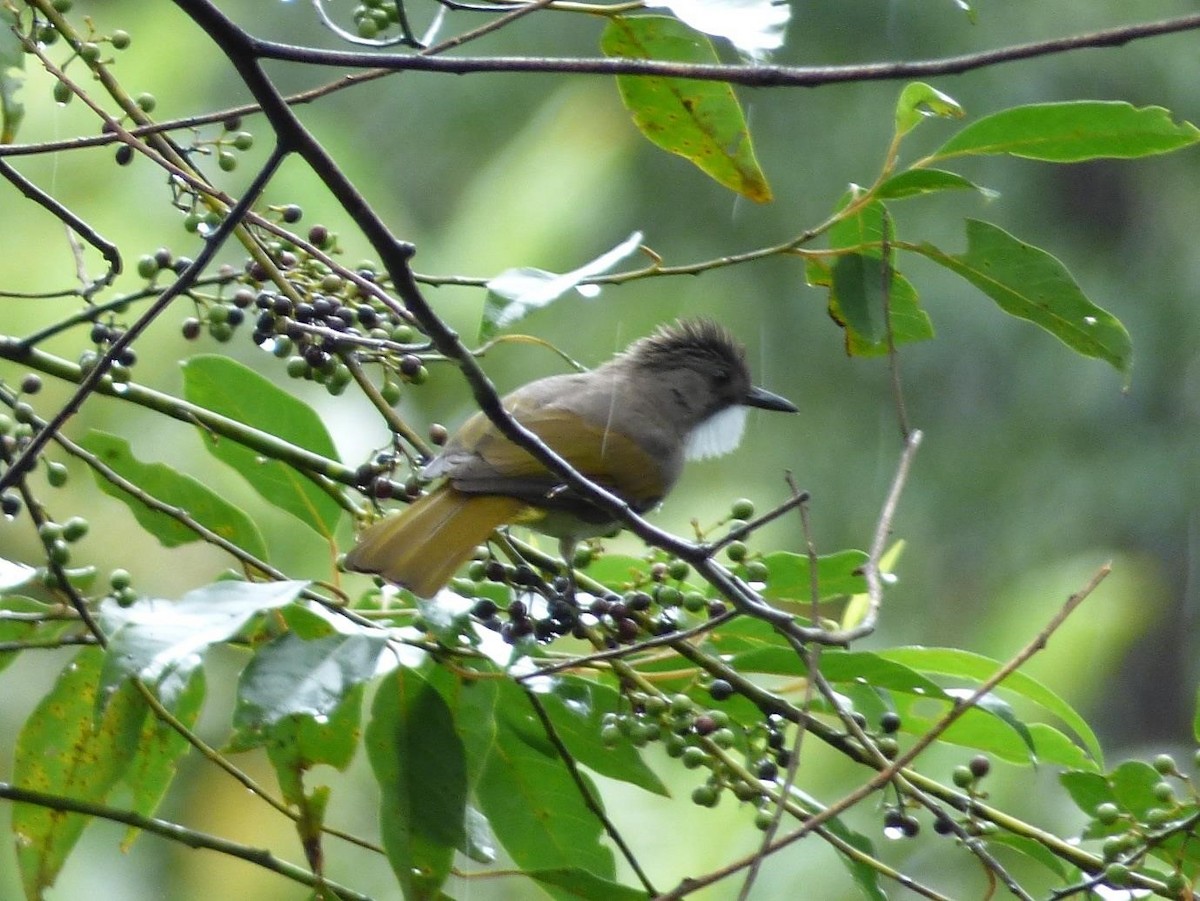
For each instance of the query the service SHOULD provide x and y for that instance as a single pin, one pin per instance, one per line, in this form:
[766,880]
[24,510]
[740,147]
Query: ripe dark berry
[292,213]
[410,365]
[720,689]
[979,766]
[889,722]
[191,328]
[124,155]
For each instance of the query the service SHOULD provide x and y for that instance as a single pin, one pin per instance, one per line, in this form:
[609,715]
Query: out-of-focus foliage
[1056,437]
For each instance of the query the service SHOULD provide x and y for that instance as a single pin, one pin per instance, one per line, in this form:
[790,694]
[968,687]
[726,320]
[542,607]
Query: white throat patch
[719,434]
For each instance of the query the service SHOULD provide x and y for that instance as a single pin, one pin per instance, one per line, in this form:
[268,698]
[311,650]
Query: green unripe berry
[120,579]
[1115,846]
[705,796]
[120,39]
[147,267]
[681,703]
[56,474]
[678,570]
[403,334]
[1164,792]
[390,392]
[146,102]
[693,602]
[1116,874]
[694,757]
[763,819]
[610,736]
[756,571]
[736,551]
[59,552]
[724,738]
[1108,813]
[220,331]
[49,532]
[962,777]
[743,508]
[227,160]
[1176,884]
[74,528]
[89,52]
[1165,764]
[62,92]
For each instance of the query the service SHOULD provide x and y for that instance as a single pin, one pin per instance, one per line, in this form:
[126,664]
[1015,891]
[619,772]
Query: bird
[628,425]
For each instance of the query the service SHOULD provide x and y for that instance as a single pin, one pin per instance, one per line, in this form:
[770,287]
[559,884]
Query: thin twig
[585,792]
[176,833]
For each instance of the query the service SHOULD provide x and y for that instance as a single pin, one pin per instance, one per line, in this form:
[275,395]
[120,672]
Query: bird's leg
[566,548]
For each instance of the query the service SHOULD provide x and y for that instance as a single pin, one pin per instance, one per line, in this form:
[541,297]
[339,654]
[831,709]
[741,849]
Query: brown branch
[747,75]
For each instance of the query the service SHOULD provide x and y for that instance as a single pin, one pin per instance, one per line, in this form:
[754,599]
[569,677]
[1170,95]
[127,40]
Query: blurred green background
[1037,466]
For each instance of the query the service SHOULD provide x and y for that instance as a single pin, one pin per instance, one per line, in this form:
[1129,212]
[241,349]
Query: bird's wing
[481,460]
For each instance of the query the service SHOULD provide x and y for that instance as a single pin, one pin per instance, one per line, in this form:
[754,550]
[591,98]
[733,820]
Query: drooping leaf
[976,667]
[160,641]
[514,293]
[855,283]
[918,101]
[755,27]
[1002,710]
[421,768]
[63,749]
[1029,283]
[237,392]
[163,483]
[159,748]
[1071,132]
[531,801]
[701,121]
[1032,849]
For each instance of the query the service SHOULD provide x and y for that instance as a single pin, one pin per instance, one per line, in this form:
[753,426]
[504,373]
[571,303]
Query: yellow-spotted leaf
[701,121]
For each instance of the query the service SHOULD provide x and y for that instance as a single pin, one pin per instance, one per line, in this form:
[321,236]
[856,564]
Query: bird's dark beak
[765,400]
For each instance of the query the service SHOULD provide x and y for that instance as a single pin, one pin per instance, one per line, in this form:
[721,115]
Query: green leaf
[298,742]
[584,885]
[1032,849]
[856,293]
[919,101]
[1003,711]
[421,768]
[514,293]
[237,392]
[159,748]
[160,641]
[914,182]
[531,801]
[837,575]
[616,571]
[1071,132]
[163,483]
[64,750]
[701,121]
[17,630]
[1029,283]
[976,667]
[12,76]
[1088,790]
[578,719]
[310,680]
